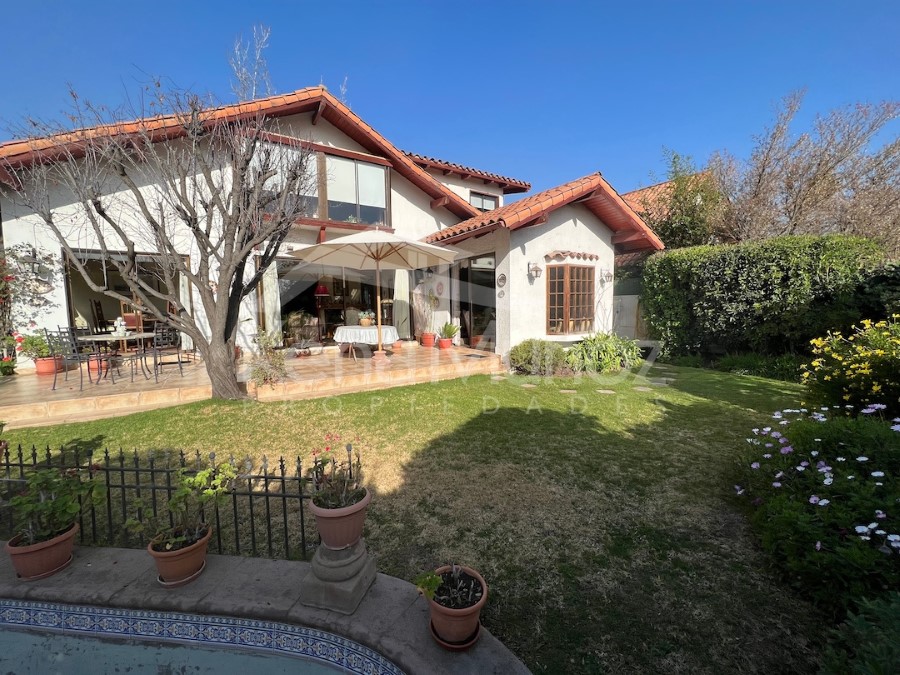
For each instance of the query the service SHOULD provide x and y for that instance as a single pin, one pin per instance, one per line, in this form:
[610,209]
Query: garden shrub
[537,357]
[859,369]
[785,367]
[826,501]
[684,360]
[603,353]
[770,297]
[867,642]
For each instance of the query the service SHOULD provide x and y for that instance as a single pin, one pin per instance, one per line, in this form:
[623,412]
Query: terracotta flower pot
[365,322]
[428,339]
[445,343]
[457,629]
[48,365]
[341,528]
[177,568]
[38,561]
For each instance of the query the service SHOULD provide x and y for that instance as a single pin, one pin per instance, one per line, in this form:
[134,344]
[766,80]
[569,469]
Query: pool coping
[392,618]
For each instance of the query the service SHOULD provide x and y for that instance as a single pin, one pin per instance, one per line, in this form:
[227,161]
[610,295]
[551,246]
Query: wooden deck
[27,400]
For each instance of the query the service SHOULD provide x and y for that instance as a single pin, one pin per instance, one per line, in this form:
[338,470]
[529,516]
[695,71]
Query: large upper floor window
[278,156]
[357,191]
[570,299]
[483,202]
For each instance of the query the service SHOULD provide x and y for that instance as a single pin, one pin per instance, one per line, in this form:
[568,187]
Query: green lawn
[605,525]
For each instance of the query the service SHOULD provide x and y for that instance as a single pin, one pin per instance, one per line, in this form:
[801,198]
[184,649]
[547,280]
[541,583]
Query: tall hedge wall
[771,296]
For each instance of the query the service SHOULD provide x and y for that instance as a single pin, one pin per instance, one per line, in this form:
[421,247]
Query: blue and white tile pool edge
[209,631]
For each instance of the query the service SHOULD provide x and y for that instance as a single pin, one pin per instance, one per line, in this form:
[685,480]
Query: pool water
[47,638]
[59,654]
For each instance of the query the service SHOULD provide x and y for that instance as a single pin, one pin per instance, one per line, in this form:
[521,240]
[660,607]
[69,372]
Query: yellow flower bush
[858,369]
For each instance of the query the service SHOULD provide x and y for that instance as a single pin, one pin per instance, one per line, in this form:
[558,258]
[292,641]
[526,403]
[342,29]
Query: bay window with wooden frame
[570,299]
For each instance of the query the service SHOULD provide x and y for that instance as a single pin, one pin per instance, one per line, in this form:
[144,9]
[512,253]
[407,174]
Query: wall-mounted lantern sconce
[606,275]
[534,270]
[429,273]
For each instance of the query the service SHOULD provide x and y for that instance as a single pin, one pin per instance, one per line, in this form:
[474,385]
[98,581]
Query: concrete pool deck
[392,618]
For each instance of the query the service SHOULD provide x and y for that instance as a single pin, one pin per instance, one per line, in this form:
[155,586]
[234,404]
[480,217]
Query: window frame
[324,212]
[586,309]
[473,193]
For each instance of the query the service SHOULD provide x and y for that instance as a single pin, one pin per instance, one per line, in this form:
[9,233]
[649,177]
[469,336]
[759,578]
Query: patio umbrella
[376,250]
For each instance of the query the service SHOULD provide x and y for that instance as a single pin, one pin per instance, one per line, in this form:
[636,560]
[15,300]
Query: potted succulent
[179,549]
[448,332]
[366,317]
[36,348]
[339,501]
[456,595]
[45,513]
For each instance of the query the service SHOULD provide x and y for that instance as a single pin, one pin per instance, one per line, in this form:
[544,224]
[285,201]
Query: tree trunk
[221,369]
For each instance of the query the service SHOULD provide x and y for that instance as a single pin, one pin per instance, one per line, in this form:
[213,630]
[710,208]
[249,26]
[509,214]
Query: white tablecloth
[365,334]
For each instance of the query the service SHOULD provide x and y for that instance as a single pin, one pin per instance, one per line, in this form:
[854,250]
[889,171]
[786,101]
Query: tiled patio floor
[26,399]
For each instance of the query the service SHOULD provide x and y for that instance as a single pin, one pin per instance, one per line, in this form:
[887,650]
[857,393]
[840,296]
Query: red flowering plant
[336,482]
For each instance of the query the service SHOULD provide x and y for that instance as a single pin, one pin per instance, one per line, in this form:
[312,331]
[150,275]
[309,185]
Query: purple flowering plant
[826,507]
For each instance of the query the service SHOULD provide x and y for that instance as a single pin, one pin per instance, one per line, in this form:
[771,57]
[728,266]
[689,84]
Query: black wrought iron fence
[262,515]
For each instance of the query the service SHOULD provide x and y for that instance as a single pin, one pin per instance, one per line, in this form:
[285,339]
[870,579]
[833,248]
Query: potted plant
[339,501]
[428,334]
[35,347]
[366,317]
[7,366]
[448,332]
[456,595]
[45,513]
[179,549]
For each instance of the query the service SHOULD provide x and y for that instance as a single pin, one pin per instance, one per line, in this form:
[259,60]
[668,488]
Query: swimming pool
[45,638]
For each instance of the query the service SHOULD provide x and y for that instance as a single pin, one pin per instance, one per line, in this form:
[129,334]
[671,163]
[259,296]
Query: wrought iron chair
[166,342]
[64,346]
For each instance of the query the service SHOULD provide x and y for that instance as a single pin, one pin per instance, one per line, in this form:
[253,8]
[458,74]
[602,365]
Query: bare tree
[203,189]
[248,63]
[834,179]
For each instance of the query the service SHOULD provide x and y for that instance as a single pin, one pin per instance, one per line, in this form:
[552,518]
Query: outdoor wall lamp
[606,275]
[534,270]
[429,273]
[30,262]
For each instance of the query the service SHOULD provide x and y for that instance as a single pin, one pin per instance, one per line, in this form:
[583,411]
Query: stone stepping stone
[605,391]
[528,385]
[568,391]
[660,383]
[498,378]
[643,389]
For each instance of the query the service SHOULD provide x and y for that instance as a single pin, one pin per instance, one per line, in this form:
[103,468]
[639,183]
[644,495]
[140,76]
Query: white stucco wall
[571,228]
[463,187]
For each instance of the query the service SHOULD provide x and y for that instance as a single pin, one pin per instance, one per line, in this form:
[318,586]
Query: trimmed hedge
[537,357]
[770,297]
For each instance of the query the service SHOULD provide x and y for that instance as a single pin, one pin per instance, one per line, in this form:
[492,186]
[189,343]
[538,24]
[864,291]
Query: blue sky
[542,91]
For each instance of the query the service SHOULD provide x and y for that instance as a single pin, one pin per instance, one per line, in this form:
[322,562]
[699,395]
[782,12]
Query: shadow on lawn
[604,550]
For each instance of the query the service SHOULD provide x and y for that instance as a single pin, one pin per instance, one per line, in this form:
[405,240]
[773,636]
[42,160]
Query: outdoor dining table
[350,335]
[112,337]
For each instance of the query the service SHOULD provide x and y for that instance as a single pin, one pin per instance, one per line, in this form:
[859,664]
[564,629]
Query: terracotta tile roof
[19,153]
[648,196]
[625,259]
[631,233]
[509,185]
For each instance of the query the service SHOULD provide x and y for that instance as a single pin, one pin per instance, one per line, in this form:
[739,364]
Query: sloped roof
[507,184]
[22,152]
[631,233]
[648,196]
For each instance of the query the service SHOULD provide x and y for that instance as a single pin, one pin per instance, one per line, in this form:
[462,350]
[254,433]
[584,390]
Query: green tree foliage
[684,211]
[772,296]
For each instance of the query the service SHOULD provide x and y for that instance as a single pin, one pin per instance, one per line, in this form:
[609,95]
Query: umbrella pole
[378,300]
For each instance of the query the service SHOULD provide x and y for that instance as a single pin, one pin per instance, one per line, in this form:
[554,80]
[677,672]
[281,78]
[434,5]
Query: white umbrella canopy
[376,250]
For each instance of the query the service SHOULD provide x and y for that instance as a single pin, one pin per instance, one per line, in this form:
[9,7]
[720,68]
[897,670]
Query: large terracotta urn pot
[341,528]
